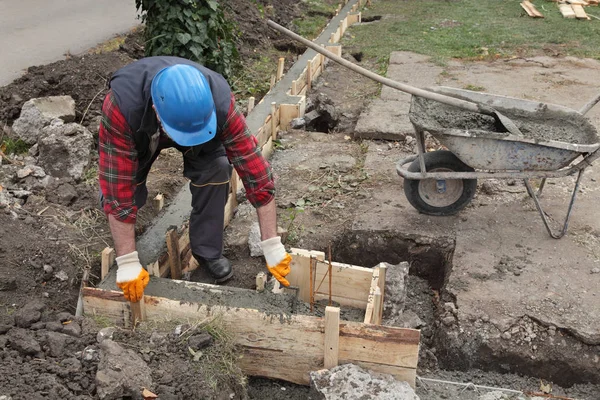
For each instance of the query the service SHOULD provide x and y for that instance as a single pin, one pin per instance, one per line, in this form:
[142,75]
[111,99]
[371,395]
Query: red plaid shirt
[119,162]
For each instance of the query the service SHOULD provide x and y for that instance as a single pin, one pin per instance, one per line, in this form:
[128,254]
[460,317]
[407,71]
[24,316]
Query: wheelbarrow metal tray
[553,135]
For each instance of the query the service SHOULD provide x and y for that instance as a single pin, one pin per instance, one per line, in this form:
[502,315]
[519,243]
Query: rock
[8,283]
[450,307]
[20,340]
[595,270]
[254,240]
[38,326]
[48,269]
[64,316]
[54,326]
[61,193]
[121,372]
[350,381]
[506,336]
[29,314]
[34,150]
[198,342]
[90,355]
[409,319]
[395,293]
[72,329]
[495,395]
[37,171]
[56,343]
[65,150]
[62,276]
[40,112]
[21,194]
[5,328]
[448,321]
[310,118]
[24,172]
[107,334]
[297,123]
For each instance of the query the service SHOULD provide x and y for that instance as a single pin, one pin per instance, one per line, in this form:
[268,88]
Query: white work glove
[278,260]
[131,277]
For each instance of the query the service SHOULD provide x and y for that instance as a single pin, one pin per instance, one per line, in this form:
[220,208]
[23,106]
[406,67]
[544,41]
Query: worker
[160,102]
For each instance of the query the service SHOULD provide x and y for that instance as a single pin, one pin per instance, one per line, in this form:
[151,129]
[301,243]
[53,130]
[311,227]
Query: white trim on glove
[129,267]
[273,250]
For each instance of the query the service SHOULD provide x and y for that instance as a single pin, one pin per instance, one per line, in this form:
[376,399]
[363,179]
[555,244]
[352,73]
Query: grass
[318,15]
[255,79]
[14,146]
[472,29]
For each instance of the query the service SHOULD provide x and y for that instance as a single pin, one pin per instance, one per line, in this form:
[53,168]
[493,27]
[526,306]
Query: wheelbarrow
[556,142]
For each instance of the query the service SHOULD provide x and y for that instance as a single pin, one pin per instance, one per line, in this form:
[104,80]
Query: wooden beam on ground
[108,259]
[332,337]
[158,202]
[566,10]
[173,251]
[579,11]
[276,346]
[531,10]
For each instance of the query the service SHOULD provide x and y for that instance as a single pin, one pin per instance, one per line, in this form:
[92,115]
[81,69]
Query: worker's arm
[116,171]
[254,170]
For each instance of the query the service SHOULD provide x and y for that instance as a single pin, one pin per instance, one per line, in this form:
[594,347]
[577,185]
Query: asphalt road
[37,32]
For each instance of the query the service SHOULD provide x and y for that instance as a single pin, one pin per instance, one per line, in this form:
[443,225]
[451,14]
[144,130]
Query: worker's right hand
[131,277]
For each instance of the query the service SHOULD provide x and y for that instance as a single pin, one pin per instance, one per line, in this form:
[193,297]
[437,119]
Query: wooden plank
[374,283]
[280,66]
[332,337]
[274,118]
[108,259]
[531,10]
[579,11]
[381,286]
[173,251]
[309,73]
[138,311]
[377,307]
[294,89]
[566,10]
[251,101]
[353,18]
[288,112]
[276,346]
[158,202]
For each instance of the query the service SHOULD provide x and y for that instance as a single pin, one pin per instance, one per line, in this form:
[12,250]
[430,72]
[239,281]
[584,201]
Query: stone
[40,112]
[395,293]
[34,150]
[449,320]
[495,395]
[21,194]
[61,193]
[506,336]
[19,339]
[72,329]
[595,270]
[350,381]
[24,172]
[311,117]
[56,343]
[64,316]
[121,372]
[54,326]
[8,283]
[65,150]
[254,240]
[5,328]
[48,269]
[198,342]
[409,319]
[62,276]
[29,314]
[297,123]
[38,326]
[107,334]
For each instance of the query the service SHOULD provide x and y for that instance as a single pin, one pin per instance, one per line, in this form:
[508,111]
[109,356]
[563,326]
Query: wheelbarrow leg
[543,214]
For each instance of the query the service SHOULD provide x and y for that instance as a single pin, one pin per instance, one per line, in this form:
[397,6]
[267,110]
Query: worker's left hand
[131,277]
[278,260]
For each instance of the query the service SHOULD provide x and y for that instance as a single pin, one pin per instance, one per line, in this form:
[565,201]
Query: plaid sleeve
[245,155]
[117,163]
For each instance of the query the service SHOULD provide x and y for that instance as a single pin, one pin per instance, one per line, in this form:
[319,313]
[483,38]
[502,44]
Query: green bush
[192,29]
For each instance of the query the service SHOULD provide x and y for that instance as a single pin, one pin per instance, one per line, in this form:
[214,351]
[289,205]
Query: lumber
[261,280]
[579,11]
[138,312]
[566,10]
[370,307]
[308,75]
[274,120]
[531,10]
[251,101]
[578,2]
[300,271]
[377,307]
[280,66]
[158,202]
[108,259]
[173,251]
[332,336]
[283,347]
[288,112]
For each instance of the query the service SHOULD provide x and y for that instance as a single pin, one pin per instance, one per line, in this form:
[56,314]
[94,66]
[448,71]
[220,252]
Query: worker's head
[184,105]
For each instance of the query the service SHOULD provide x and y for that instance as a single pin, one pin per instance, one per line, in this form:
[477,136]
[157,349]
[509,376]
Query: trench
[446,347]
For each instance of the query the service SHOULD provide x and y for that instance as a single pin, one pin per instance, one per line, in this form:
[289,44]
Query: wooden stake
[381,284]
[312,287]
[308,75]
[138,312]
[377,307]
[273,80]
[261,279]
[250,104]
[108,258]
[173,250]
[329,273]
[158,202]
[332,337]
[294,90]
[280,66]
[273,120]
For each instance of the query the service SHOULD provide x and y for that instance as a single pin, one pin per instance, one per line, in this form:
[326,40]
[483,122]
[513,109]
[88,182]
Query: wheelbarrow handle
[590,104]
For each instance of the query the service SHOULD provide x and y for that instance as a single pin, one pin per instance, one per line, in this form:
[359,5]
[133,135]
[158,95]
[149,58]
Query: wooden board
[108,259]
[579,11]
[350,283]
[531,10]
[566,10]
[277,346]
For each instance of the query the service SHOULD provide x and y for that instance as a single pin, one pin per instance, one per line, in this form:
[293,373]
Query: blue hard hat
[184,104]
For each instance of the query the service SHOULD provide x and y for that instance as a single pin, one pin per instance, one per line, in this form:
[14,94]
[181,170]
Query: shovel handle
[466,105]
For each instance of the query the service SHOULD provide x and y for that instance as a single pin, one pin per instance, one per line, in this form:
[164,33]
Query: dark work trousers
[209,172]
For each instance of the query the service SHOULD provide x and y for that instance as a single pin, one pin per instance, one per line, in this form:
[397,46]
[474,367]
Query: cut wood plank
[288,112]
[108,259]
[158,202]
[579,11]
[300,271]
[251,101]
[274,120]
[138,311]
[531,10]
[332,336]
[276,346]
[578,2]
[377,307]
[174,256]
[280,66]
[566,10]
[370,308]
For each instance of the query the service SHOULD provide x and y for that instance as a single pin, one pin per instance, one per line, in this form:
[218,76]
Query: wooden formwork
[284,346]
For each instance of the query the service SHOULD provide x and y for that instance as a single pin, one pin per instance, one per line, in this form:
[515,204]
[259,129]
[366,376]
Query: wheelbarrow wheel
[440,197]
